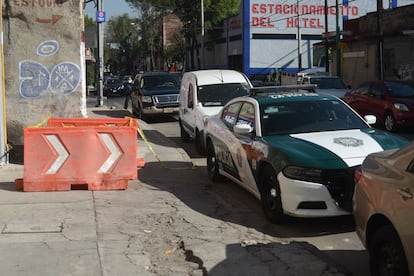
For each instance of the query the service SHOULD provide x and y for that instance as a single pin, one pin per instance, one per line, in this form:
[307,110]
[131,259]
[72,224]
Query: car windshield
[158,81]
[328,83]
[113,81]
[308,116]
[400,89]
[220,94]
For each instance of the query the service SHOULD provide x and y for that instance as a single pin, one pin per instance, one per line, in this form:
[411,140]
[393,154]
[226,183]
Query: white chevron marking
[60,149]
[113,148]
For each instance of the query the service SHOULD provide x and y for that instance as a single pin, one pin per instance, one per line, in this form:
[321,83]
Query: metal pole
[338,48]
[100,56]
[299,41]
[326,38]
[380,40]
[202,35]
[4,155]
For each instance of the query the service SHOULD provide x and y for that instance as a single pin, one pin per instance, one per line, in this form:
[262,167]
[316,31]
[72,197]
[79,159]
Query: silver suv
[332,85]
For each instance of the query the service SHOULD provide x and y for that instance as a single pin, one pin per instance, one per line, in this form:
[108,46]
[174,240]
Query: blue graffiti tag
[65,77]
[34,79]
[47,48]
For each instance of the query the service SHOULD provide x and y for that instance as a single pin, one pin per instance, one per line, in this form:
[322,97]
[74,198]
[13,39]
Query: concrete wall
[44,62]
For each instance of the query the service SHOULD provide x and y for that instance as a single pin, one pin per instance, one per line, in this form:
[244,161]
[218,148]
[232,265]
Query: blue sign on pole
[100,16]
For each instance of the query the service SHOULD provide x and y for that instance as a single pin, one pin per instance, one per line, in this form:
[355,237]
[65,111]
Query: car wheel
[200,143]
[271,197]
[389,122]
[386,253]
[185,137]
[212,164]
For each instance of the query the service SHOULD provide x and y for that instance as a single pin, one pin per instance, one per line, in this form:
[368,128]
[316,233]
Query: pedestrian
[128,86]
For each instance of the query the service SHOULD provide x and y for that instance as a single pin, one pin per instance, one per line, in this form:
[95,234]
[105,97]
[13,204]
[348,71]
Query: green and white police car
[293,149]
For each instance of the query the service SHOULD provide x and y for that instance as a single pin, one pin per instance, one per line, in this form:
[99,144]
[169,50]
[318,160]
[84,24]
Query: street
[335,238]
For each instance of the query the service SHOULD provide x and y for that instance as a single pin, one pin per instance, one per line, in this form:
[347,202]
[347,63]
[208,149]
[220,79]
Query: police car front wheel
[271,197]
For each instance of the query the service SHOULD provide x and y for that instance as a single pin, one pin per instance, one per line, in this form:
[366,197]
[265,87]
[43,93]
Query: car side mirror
[243,129]
[370,119]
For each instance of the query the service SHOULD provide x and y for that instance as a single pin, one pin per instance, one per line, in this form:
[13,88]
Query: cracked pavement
[170,221]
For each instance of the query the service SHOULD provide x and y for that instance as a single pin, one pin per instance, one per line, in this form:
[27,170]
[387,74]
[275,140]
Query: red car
[392,102]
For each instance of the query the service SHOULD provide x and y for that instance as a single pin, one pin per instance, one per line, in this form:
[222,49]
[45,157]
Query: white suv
[202,94]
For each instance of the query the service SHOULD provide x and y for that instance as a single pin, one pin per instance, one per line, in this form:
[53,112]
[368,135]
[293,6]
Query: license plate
[168,110]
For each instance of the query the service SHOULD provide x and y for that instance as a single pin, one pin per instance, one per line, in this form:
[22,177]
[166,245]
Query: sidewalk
[165,223]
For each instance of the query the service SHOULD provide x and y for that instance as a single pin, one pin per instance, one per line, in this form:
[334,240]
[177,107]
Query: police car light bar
[283,89]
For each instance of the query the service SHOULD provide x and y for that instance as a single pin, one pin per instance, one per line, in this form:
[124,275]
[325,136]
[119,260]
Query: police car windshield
[308,116]
[220,94]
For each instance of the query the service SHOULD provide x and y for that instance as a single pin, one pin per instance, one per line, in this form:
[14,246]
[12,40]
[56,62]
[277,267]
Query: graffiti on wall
[406,72]
[36,79]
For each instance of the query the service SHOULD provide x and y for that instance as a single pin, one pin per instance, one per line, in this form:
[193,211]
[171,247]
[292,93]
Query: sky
[111,8]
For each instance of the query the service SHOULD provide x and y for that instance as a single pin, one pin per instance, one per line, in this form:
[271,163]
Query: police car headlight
[303,174]
[146,99]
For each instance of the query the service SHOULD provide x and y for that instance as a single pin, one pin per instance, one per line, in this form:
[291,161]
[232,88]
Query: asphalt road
[334,237]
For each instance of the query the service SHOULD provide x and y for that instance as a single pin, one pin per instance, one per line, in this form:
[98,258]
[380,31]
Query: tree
[121,40]
[189,12]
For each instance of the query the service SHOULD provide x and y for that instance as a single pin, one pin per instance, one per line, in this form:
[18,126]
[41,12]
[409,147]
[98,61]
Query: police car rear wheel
[271,197]
[212,164]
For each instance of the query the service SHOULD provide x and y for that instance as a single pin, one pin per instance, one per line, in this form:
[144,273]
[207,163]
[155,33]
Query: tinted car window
[400,90]
[308,116]
[326,83]
[246,115]
[229,114]
[220,94]
[376,91]
[158,81]
[363,89]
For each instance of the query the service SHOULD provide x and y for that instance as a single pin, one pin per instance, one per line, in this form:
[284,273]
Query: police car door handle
[406,194]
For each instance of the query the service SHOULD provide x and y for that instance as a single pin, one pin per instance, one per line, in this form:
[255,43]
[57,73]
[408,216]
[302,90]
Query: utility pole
[202,35]
[326,38]
[338,48]
[4,155]
[99,12]
[380,40]
[299,40]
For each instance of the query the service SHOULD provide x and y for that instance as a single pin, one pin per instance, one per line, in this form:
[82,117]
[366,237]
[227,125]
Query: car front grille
[166,100]
[341,185]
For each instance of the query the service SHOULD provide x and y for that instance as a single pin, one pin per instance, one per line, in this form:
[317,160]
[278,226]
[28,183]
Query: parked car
[293,149]
[157,93]
[384,210]
[202,94]
[392,102]
[332,85]
[113,87]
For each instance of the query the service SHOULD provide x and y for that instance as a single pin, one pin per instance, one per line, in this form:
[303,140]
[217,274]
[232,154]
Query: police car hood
[333,149]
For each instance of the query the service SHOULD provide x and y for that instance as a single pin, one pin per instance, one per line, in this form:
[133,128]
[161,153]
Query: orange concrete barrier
[80,153]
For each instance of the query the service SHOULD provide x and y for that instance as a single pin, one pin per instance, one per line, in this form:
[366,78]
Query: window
[190,96]
[246,115]
[230,114]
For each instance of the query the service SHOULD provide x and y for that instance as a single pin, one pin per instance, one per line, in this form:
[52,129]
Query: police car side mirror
[243,129]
